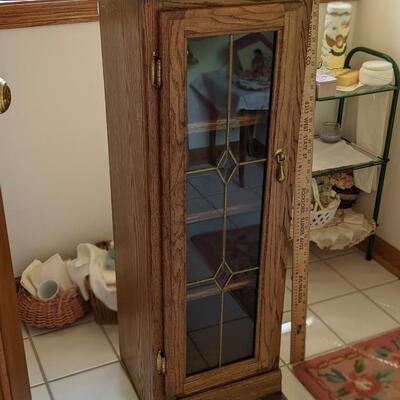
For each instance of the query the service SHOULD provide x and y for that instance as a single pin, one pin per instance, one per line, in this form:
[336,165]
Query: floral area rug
[368,370]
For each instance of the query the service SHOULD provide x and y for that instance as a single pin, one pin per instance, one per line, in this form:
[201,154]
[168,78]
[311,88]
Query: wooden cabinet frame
[147,161]
[178,26]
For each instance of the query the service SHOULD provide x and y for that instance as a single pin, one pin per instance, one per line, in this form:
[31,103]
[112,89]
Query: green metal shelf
[381,161]
[361,91]
[350,167]
[374,161]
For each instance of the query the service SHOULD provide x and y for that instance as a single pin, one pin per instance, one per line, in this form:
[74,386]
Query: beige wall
[53,145]
[378,27]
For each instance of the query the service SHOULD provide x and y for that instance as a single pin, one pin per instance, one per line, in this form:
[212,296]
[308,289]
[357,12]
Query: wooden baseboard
[386,255]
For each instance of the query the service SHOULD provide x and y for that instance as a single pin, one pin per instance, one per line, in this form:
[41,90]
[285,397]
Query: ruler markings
[301,215]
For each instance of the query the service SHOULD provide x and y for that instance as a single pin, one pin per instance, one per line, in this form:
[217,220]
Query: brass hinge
[156,70]
[161,363]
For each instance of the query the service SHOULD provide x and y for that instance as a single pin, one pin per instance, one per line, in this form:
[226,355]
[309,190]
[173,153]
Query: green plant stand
[376,160]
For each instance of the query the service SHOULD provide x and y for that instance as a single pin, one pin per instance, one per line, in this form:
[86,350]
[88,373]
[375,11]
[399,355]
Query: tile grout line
[47,381]
[125,371]
[346,253]
[361,291]
[371,337]
[323,352]
[326,324]
[332,298]
[109,340]
[63,328]
[213,326]
[345,343]
[357,290]
[289,270]
[198,350]
[118,360]
[205,198]
[351,283]
[380,284]
[331,330]
[83,371]
[253,189]
[44,376]
[381,308]
[310,262]
[298,380]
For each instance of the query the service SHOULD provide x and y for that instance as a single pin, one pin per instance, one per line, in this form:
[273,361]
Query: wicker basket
[102,314]
[322,216]
[65,308]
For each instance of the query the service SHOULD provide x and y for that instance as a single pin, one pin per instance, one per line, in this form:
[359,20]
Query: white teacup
[48,290]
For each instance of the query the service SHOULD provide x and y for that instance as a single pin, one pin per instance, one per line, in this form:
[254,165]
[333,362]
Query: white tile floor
[79,362]
[350,299]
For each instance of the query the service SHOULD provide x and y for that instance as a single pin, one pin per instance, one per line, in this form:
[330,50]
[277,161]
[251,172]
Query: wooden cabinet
[203,112]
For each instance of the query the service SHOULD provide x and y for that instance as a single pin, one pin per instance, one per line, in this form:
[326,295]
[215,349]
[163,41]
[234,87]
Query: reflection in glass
[204,217]
[229,98]
[245,212]
[207,102]
[239,321]
[253,62]
[203,327]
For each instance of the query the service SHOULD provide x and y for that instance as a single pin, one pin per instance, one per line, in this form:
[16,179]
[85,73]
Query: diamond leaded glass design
[223,275]
[228,94]
[227,166]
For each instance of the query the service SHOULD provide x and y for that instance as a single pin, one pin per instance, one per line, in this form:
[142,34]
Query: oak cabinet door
[232,80]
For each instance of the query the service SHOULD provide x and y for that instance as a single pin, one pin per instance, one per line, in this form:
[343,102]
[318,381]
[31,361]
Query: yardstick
[302,197]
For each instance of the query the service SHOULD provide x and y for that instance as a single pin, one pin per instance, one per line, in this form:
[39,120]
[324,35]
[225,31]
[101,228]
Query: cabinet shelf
[218,213]
[204,291]
[248,118]
[361,91]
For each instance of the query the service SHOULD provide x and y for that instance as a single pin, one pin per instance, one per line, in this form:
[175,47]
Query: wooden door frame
[290,19]
[14,381]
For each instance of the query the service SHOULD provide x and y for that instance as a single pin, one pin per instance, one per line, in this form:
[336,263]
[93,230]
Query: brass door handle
[5,96]
[280,157]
